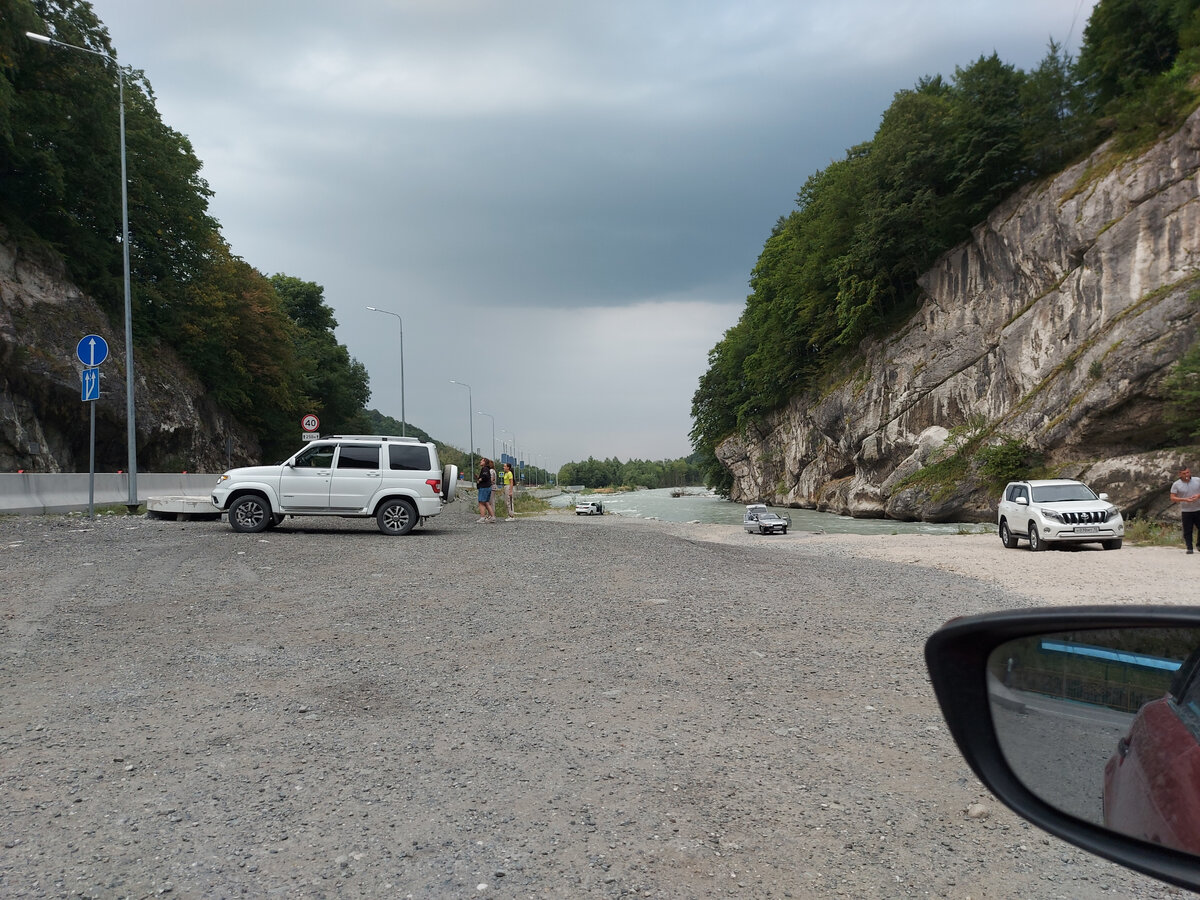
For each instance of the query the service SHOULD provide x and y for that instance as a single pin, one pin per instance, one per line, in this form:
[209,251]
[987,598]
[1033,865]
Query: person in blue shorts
[484,484]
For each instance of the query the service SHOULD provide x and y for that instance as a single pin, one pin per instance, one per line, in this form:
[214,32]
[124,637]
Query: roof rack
[373,437]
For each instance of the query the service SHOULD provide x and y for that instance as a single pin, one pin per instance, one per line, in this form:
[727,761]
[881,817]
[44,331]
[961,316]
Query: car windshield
[1056,493]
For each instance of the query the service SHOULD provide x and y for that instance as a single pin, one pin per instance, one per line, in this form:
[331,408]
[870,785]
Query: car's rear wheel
[1114,544]
[1035,539]
[249,514]
[449,482]
[396,517]
[1006,536]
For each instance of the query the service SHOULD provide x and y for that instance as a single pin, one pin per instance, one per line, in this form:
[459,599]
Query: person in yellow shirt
[508,479]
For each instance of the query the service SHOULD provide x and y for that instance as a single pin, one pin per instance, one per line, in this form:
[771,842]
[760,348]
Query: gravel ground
[552,707]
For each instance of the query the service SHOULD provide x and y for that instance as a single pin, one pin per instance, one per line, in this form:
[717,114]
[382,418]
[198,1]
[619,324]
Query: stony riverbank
[553,707]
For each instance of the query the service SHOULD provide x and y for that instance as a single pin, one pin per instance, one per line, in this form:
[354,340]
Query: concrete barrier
[38,493]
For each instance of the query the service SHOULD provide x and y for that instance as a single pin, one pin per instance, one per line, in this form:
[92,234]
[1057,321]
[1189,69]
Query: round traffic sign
[310,423]
[92,350]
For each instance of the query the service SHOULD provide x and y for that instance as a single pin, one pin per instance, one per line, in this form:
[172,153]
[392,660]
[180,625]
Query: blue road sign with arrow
[92,350]
[90,381]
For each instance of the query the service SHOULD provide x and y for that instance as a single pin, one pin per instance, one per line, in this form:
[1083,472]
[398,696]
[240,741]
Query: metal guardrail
[39,493]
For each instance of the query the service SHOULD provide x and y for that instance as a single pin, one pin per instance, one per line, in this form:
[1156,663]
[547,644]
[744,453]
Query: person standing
[1186,492]
[509,487]
[483,482]
[495,490]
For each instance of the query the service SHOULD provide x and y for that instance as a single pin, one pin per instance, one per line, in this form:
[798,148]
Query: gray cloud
[563,201]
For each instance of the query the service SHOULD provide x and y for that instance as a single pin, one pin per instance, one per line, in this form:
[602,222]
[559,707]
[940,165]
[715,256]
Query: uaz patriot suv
[396,480]
[1044,512]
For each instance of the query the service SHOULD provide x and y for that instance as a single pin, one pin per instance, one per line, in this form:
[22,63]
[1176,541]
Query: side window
[409,457]
[318,457]
[358,456]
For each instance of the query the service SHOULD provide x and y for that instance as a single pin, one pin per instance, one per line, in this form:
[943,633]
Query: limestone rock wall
[1055,324]
[44,423]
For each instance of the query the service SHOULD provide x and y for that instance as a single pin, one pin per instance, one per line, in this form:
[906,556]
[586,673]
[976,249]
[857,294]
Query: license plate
[1086,529]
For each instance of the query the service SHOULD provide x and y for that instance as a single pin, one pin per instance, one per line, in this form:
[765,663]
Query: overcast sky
[563,201]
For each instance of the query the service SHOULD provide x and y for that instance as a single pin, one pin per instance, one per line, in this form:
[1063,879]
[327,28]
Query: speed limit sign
[310,423]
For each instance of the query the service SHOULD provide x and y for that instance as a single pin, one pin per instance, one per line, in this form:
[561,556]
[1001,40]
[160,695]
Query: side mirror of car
[1086,722]
[1022,501]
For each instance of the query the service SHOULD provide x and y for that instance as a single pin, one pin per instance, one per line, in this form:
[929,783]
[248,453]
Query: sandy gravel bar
[553,707]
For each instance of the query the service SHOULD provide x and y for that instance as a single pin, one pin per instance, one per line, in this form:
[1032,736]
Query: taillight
[435,483]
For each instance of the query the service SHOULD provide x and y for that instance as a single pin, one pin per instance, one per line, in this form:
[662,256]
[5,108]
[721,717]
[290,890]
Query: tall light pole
[470,420]
[130,426]
[493,418]
[388,312]
[516,461]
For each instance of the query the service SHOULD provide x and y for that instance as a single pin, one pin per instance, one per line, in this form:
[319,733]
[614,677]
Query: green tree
[333,384]
[1125,43]
[1055,123]
[1183,396]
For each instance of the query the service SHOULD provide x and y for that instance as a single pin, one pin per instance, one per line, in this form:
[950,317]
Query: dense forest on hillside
[600,473]
[264,346]
[843,265]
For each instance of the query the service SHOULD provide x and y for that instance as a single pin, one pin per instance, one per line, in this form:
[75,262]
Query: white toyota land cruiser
[1057,510]
[396,480]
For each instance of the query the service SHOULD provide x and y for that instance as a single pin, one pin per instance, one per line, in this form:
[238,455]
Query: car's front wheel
[1114,544]
[396,517]
[1006,536]
[249,514]
[1035,539]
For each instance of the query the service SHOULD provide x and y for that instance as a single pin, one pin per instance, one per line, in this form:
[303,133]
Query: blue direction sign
[90,382]
[92,350]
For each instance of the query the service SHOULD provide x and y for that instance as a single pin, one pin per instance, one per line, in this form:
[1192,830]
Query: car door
[304,482]
[1014,512]
[356,476]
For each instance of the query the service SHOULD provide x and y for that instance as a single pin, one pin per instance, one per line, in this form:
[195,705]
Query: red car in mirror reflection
[1152,782]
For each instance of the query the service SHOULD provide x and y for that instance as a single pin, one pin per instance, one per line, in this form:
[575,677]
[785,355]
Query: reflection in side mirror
[1105,725]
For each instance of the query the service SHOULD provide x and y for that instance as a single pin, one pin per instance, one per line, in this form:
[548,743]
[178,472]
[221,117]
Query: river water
[697,505]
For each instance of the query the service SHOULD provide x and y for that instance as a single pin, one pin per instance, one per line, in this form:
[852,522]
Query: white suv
[1043,512]
[396,480]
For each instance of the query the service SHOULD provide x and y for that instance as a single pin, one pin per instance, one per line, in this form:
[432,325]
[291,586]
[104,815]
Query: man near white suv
[1186,492]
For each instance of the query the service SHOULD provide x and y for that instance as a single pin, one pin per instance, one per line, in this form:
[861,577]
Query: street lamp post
[516,461]
[131,428]
[493,418]
[403,417]
[470,421]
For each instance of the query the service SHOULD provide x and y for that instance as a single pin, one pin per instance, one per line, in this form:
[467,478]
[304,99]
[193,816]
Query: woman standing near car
[483,482]
[508,489]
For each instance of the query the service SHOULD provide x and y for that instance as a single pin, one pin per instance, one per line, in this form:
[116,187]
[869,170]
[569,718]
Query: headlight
[1052,514]
[222,478]
[1111,513]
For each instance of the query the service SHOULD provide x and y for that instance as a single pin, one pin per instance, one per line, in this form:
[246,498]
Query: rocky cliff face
[1055,324]
[43,420]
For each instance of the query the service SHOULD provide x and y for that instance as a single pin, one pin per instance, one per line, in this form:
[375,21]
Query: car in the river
[589,508]
[758,518]
[1035,746]
[1059,510]
[398,481]
[1152,781]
